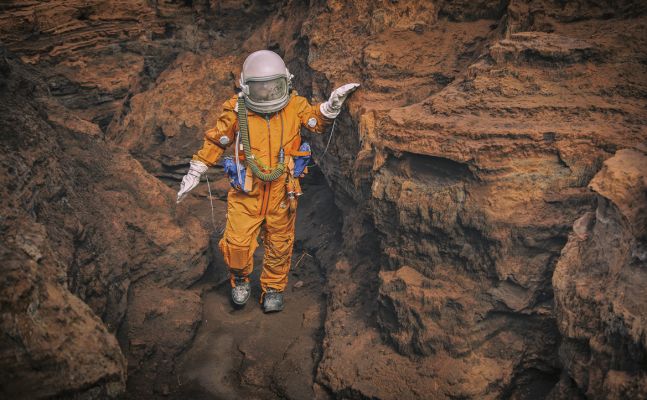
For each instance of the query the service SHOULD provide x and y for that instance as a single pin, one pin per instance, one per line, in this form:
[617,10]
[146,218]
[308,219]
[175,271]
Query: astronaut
[264,121]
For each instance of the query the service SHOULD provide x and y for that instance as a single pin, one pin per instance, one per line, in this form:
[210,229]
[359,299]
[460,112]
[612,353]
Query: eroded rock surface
[599,286]
[84,227]
[472,184]
[52,342]
[464,168]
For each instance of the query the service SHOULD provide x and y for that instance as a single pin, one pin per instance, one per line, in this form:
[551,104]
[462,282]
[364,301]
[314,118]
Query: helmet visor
[267,91]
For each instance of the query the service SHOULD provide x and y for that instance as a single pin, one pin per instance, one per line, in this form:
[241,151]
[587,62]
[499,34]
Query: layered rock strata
[464,167]
[468,154]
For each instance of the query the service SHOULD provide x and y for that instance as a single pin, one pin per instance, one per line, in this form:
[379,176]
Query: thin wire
[213,218]
[332,130]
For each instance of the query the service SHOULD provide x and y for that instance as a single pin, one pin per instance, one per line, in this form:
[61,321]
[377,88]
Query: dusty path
[248,354]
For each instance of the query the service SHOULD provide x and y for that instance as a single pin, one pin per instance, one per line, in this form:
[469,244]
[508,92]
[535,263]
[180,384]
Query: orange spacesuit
[264,121]
[267,201]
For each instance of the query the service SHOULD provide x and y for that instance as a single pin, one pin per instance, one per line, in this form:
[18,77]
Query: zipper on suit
[269,141]
[267,185]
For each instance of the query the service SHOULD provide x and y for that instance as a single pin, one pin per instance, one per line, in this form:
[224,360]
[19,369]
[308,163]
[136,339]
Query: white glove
[191,179]
[332,107]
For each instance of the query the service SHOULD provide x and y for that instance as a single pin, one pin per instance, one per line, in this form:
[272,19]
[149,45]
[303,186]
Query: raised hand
[332,107]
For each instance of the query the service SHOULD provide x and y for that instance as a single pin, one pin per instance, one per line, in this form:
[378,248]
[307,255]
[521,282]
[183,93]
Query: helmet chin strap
[290,76]
[241,82]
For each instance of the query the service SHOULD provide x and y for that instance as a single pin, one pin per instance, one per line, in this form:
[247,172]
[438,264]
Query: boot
[272,301]
[240,293]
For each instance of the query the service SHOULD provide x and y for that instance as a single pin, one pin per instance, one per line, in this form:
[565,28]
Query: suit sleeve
[226,125]
[311,117]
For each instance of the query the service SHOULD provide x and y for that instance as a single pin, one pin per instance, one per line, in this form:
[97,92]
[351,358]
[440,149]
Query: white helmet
[265,82]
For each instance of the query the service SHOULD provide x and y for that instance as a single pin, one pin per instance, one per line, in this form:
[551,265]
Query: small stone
[165,390]
[298,284]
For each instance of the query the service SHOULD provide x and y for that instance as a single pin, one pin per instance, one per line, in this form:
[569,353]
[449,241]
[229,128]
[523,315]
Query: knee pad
[236,257]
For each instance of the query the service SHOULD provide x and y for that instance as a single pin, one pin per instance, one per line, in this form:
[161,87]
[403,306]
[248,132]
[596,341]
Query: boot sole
[271,310]
[236,304]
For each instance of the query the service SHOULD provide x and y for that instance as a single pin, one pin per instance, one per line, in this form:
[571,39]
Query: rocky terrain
[490,179]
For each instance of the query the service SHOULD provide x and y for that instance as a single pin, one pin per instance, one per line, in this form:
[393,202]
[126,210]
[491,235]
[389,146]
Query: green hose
[252,163]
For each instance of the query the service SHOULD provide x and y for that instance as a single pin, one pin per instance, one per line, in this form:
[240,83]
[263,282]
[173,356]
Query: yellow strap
[295,153]
[248,180]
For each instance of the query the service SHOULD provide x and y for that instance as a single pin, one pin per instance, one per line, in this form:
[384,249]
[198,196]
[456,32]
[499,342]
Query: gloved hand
[191,179]
[332,107]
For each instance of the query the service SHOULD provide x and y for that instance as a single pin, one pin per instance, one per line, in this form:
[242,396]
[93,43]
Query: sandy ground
[244,353]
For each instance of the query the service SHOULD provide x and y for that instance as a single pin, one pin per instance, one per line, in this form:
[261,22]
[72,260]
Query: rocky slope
[52,342]
[464,168]
[469,155]
[599,282]
[88,238]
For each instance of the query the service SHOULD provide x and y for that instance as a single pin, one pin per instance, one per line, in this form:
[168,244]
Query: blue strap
[230,170]
[300,162]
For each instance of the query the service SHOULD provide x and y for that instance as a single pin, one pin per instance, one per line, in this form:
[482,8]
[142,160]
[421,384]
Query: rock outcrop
[469,154]
[85,228]
[52,342]
[599,286]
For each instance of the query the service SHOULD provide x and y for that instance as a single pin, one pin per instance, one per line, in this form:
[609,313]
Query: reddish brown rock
[599,287]
[52,343]
[460,166]
[94,54]
[165,125]
[81,220]
[471,183]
